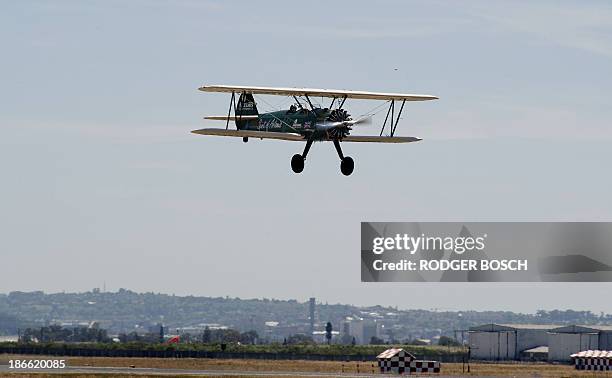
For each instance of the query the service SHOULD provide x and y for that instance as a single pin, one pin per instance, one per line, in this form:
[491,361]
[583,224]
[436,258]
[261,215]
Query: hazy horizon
[305,301]
[322,300]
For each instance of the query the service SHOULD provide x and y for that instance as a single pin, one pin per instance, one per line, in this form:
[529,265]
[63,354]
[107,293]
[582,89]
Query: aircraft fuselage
[311,123]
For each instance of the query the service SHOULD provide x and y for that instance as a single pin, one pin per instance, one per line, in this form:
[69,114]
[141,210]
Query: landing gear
[297,161]
[347,165]
[245,139]
[346,162]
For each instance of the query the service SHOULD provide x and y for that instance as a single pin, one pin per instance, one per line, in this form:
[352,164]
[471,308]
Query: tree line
[56,333]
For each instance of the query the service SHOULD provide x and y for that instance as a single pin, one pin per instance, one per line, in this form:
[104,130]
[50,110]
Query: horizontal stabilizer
[232,118]
[250,134]
[379,139]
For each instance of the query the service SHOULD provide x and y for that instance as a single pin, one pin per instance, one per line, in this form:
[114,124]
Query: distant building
[536,341]
[319,336]
[370,329]
[94,325]
[567,340]
[506,341]
[275,331]
[362,330]
[535,354]
[311,314]
[155,328]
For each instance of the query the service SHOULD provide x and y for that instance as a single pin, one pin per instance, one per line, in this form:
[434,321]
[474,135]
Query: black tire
[297,163]
[347,165]
[245,139]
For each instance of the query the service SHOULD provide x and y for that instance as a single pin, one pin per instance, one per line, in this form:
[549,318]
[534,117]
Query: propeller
[340,117]
[365,120]
[339,123]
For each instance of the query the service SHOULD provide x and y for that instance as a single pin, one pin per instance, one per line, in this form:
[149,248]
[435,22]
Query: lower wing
[298,137]
[250,134]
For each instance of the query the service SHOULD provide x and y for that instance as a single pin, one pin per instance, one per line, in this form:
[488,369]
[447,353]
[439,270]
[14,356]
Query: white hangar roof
[494,327]
[538,349]
[582,329]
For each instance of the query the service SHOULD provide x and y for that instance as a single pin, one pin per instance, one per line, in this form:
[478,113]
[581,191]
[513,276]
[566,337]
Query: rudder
[246,107]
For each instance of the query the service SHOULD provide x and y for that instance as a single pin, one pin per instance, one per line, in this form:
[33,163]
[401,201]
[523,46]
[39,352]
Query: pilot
[292,109]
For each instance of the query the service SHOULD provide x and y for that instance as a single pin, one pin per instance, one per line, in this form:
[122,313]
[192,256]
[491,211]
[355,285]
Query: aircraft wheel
[297,163]
[245,139]
[347,165]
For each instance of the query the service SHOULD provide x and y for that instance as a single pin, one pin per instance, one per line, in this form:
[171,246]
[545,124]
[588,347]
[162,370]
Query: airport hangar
[506,341]
[536,341]
[563,341]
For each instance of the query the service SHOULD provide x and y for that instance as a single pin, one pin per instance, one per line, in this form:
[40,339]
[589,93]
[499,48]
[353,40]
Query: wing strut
[308,99]
[298,102]
[394,120]
[342,103]
[229,111]
[331,106]
[398,117]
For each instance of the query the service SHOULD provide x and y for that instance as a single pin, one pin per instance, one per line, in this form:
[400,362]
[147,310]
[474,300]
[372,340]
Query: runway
[170,372]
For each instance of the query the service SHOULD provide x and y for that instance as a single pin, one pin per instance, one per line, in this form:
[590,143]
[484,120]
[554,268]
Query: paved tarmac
[153,371]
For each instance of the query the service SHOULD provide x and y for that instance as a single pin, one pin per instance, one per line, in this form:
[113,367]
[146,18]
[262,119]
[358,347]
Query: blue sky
[104,183]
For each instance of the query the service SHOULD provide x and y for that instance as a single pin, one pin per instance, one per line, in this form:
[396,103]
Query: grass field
[452,369]
[310,349]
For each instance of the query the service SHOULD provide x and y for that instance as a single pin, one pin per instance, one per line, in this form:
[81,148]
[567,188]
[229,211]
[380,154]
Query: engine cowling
[337,125]
[339,115]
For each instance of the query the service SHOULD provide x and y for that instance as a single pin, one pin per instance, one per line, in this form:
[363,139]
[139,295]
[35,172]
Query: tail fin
[246,107]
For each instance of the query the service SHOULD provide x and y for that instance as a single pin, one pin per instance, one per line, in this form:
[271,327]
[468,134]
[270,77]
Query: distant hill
[126,311]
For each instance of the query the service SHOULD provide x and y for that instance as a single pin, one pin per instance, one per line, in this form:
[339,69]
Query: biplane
[307,122]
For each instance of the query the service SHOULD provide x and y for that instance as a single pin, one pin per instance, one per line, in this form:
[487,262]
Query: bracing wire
[277,107]
[375,110]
